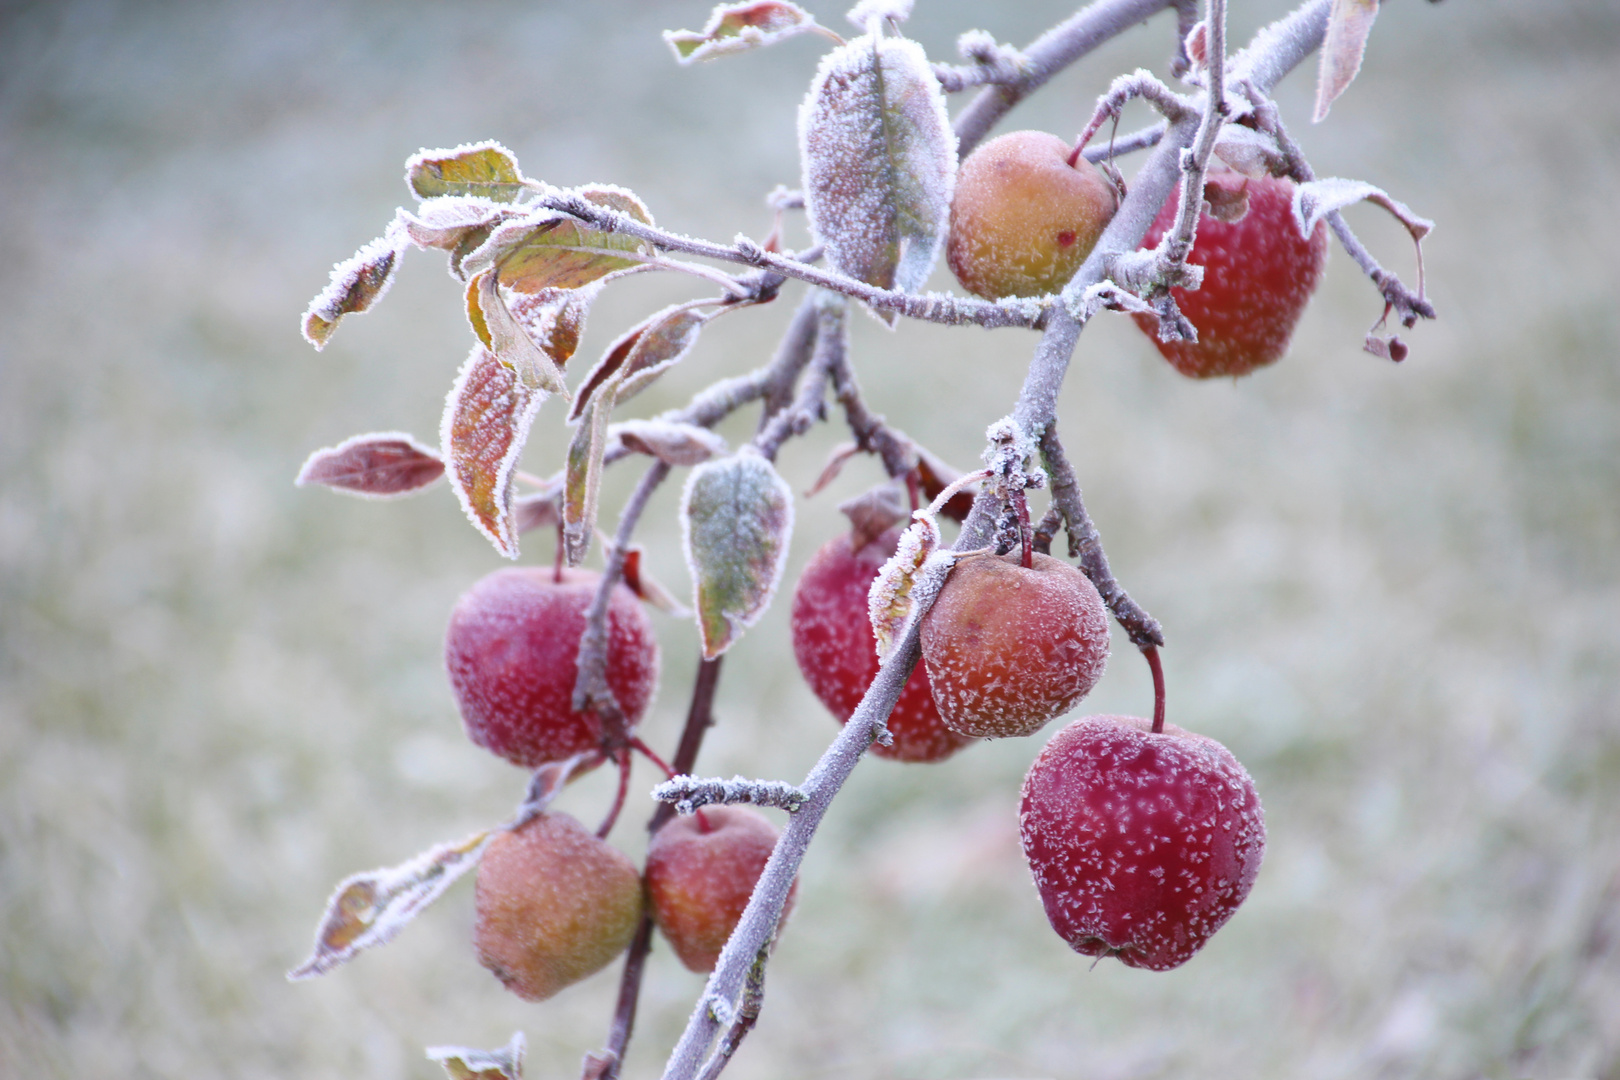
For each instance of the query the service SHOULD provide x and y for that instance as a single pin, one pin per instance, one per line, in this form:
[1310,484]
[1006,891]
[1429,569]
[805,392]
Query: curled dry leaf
[487,417]
[547,249]
[890,601]
[873,513]
[357,283]
[1319,198]
[1250,152]
[835,465]
[368,909]
[736,520]
[734,28]
[464,1063]
[669,441]
[1344,44]
[485,169]
[1390,348]
[381,465]
[879,161]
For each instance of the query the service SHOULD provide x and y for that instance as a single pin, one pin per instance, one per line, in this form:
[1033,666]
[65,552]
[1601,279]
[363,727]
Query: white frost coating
[356,283]
[1252,153]
[669,440]
[879,161]
[507,1062]
[867,12]
[404,461]
[1319,198]
[890,600]
[441,222]
[483,256]
[422,157]
[525,403]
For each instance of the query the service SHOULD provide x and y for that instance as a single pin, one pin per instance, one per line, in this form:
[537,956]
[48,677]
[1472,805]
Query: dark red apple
[512,650]
[1141,845]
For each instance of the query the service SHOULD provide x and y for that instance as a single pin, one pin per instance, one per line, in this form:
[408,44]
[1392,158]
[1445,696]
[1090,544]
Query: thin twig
[872,435]
[810,404]
[753,999]
[686,793]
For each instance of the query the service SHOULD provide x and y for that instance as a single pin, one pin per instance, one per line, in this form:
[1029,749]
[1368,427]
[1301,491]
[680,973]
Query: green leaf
[582,476]
[510,342]
[547,249]
[465,1063]
[736,518]
[486,422]
[734,28]
[879,161]
[487,169]
[358,282]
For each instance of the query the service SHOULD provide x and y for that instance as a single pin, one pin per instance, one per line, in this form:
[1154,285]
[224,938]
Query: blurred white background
[1392,591]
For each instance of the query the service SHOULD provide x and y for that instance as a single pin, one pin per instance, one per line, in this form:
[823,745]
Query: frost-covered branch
[809,406]
[928,307]
[687,793]
[753,1000]
[899,454]
[989,64]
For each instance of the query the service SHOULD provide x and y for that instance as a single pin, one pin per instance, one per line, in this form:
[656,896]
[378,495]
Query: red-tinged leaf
[357,282]
[736,520]
[1390,348]
[485,169]
[835,465]
[368,909]
[879,161]
[555,318]
[547,249]
[537,511]
[734,28]
[381,465]
[511,343]
[465,1063]
[669,441]
[582,477]
[486,422]
[873,513]
[641,354]
[644,585]
[1344,44]
[935,476]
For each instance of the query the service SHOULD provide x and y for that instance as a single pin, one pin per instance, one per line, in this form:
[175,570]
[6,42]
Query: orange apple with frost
[1142,845]
[554,905]
[837,651]
[1009,647]
[1259,273]
[1026,213]
[512,652]
[701,870]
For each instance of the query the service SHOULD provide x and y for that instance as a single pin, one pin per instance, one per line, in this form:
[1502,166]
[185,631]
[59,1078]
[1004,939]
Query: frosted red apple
[701,870]
[512,650]
[1259,273]
[1142,845]
[1023,218]
[1008,648]
[554,905]
[837,651]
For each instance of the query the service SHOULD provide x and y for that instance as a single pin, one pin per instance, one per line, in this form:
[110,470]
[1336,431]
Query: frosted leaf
[487,417]
[669,441]
[443,223]
[381,465]
[556,317]
[736,520]
[889,601]
[536,511]
[547,249]
[641,354]
[879,161]
[835,465]
[1319,198]
[510,342]
[357,282]
[1250,152]
[873,513]
[582,477]
[368,909]
[487,169]
[735,28]
[868,13]
[1349,24]
[464,1063]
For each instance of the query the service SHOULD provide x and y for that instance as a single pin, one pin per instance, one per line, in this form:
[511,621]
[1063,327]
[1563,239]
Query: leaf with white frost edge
[641,354]
[868,12]
[879,161]
[1319,198]
[510,342]
[736,521]
[379,465]
[669,441]
[357,283]
[889,599]
[548,249]
[735,28]
[582,476]
[487,417]
[1343,45]
[467,1063]
[486,169]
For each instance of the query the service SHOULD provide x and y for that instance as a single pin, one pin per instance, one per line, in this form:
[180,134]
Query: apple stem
[647,752]
[1152,654]
[914,490]
[1025,540]
[557,565]
[703,823]
[623,758]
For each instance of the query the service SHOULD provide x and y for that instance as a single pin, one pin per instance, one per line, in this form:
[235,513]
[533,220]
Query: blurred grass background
[1391,590]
